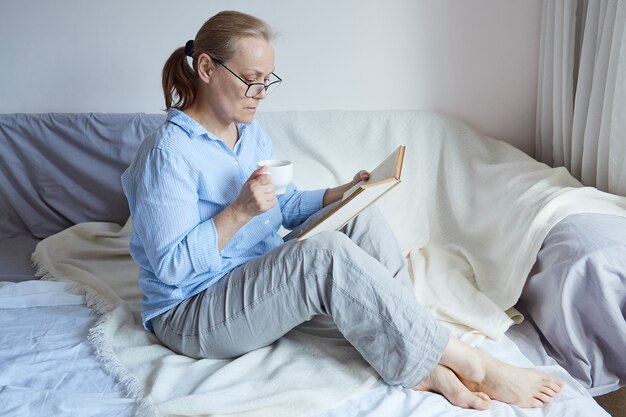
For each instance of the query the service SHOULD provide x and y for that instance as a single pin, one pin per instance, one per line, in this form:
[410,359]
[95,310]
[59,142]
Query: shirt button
[266,222]
[234,162]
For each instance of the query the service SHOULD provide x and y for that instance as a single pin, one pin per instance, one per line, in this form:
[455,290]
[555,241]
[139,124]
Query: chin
[246,117]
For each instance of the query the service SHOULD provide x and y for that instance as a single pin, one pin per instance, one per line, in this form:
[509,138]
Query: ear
[205,67]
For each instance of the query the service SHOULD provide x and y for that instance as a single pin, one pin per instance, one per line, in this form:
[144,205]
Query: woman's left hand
[335,194]
[362,175]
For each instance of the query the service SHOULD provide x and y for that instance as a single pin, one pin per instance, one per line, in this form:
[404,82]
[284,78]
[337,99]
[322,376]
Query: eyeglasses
[254,89]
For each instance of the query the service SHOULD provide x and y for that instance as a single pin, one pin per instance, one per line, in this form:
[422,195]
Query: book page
[389,169]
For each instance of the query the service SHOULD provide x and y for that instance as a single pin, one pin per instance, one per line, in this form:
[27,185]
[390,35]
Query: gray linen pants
[357,276]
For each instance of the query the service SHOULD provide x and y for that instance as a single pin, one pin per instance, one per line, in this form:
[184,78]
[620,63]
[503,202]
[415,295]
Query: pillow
[58,169]
[576,296]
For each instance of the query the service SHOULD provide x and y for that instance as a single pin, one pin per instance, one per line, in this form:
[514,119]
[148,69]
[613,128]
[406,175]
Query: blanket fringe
[145,407]
[103,350]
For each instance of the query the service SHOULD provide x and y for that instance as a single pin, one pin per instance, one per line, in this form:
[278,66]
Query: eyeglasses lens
[256,89]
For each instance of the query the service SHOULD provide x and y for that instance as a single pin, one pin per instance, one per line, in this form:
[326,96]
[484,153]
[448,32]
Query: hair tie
[189,48]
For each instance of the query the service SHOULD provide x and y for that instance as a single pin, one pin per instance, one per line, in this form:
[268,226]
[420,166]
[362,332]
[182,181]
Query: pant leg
[371,232]
[257,303]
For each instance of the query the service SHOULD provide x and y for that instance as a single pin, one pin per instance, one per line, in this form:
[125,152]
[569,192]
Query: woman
[217,279]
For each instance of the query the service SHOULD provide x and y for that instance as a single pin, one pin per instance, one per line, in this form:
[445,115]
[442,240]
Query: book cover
[382,179]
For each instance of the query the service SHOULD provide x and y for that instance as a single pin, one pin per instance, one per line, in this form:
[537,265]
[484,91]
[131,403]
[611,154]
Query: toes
[548,391]
[543,398]
[552,387]
[554,383]
[482,395]
[481,401]
[535,403]
[467,399]
[557,385]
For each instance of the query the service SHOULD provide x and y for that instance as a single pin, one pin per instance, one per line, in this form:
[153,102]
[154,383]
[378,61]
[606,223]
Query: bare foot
[478,371]
[443,381]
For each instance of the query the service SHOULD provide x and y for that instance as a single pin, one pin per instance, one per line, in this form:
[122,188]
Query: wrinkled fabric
[576,296]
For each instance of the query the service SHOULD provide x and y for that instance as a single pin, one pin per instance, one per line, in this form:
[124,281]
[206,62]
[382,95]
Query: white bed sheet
[47,367]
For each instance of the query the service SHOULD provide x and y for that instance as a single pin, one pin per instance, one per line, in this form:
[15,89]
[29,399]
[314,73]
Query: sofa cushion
[57,169]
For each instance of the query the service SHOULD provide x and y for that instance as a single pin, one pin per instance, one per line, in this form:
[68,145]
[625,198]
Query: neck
[225,130]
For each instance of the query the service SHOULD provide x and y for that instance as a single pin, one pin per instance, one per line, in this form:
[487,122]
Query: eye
[251,77]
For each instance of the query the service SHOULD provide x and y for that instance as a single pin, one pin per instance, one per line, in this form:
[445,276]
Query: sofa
[481,224]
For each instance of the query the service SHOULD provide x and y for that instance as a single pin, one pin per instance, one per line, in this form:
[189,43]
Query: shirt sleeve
[164,208]
[296,206]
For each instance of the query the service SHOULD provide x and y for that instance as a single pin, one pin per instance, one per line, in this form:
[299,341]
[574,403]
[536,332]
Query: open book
[382,179]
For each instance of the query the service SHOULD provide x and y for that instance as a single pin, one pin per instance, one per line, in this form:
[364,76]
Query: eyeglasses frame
[265,86]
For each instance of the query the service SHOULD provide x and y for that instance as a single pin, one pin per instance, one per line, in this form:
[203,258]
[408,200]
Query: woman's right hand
[257,195]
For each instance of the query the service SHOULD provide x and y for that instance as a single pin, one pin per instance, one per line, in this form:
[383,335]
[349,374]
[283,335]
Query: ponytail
[179,81]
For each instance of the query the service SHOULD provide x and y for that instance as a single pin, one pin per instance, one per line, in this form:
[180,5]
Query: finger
[262,187]
[270,202]
[258,172]
[361,176]
[264,178]
[266,201]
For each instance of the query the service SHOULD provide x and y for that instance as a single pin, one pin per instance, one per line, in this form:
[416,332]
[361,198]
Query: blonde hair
[217,38]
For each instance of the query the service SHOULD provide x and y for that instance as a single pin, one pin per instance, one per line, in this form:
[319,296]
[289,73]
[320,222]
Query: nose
[262,94]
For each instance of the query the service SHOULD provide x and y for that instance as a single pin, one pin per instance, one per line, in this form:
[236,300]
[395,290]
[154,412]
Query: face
[253,62]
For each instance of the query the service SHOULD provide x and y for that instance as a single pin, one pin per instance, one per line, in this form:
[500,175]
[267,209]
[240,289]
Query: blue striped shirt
[181,177]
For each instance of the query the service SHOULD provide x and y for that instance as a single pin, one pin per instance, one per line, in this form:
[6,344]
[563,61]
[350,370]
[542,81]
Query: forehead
[254,53]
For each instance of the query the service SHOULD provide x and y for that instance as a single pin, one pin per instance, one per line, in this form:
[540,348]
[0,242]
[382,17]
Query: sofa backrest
[58,169]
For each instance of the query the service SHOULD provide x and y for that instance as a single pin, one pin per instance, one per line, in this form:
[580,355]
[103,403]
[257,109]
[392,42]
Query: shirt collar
[186,123]
[193,128]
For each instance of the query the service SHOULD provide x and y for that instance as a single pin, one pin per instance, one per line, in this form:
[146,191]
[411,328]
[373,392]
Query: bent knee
[371,212]
[328,240]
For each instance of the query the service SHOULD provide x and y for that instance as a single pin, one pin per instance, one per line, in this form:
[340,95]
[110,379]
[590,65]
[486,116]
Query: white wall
[473,59]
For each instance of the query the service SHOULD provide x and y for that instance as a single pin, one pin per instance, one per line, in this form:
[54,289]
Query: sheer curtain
[581,105]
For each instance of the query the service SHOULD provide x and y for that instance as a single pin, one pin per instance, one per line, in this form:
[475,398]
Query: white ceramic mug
[281,172]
